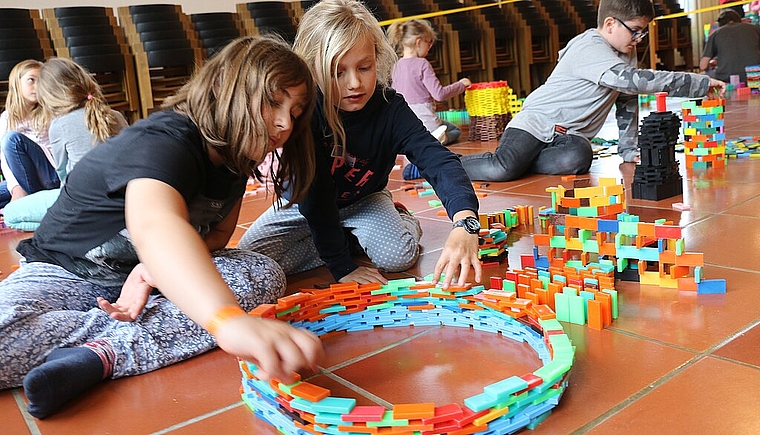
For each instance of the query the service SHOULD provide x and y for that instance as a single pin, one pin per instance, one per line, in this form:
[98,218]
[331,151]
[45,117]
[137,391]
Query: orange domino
[413,411]
[310,392]
[606,300]
[595,315]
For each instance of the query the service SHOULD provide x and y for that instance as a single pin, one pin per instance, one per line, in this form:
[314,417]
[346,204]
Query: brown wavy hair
[224,99]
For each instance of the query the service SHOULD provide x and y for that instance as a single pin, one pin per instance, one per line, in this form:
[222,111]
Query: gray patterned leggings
[44,307]
[391,240]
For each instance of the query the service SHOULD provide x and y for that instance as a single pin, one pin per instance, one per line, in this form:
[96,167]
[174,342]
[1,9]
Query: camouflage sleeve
[631,80]
[627,116]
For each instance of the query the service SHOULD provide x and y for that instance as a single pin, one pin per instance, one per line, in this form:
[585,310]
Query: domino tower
[656,176]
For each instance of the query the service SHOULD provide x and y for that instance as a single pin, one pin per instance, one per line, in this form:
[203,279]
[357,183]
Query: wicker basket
[489,110]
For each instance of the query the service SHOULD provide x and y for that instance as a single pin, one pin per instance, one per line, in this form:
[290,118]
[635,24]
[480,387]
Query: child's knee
[9,140]
[397,261]
[254,277]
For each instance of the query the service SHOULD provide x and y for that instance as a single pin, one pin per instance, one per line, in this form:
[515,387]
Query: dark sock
[411,172]
[65,374]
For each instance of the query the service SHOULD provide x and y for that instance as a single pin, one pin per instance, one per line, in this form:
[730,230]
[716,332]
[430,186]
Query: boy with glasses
[596,70]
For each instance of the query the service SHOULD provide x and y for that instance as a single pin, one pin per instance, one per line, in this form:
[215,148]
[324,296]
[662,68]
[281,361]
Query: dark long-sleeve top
[375,135]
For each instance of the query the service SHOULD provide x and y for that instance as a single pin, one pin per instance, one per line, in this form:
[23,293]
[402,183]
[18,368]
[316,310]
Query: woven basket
[488,107]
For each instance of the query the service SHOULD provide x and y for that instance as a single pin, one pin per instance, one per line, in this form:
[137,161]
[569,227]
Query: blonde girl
[153,208]
[415,79]
[360,126]
[80,119]
[27,160]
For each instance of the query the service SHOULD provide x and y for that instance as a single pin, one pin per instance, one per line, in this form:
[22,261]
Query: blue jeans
[519,153]
[28,163]
[5,194]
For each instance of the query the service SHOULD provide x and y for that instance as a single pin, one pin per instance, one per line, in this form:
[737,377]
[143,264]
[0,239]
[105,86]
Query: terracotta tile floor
[673,362]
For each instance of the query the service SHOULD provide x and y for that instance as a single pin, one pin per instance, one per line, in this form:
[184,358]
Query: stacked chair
[166,49]
[269,17]
[681,34]
[509,47]
[564,17]
[216,29]
[544,40]
[22,36]
[471,41]
[665,38]
[377,8]
[90,36]
[587,11]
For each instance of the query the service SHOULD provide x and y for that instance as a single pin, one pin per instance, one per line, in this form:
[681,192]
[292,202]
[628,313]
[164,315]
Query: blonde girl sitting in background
[414,78]
[27,160]
[81,119]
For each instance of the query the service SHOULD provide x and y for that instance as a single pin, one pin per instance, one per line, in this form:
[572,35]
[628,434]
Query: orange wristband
[224,314]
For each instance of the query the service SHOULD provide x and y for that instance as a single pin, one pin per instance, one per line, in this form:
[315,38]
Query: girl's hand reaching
[364,275]
[459,256]
[134,295]
[278,349]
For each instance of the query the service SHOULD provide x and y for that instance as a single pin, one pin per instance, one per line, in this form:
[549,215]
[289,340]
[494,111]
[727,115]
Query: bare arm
[180,265]
[704,63]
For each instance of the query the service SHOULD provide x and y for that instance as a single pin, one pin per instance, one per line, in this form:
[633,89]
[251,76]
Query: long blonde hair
[225,98]
[65,86]
[327,31]
[17,107]
[404,34]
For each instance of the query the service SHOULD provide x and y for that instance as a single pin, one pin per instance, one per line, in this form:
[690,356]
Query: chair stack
[216,29]
[544,37]
[22,36]
[587,11]
[91,37]
[471,41]
[563,15]
[665,38]
[269,17]
[377,8]
[507,64]
[166,50]
[682,35]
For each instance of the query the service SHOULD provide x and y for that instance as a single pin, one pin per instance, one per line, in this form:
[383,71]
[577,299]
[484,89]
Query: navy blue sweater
[375,135]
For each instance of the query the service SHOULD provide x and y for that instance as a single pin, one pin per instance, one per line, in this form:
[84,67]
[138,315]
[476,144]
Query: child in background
[81,119]
[27,160]
[153,207]
[735,45]
[414,78]
[360,126]
[596,70]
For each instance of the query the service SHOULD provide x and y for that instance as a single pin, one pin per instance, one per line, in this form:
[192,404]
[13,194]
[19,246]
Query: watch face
[472,225]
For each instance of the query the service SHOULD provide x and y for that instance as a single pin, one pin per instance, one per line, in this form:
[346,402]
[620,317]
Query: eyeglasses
[635,36]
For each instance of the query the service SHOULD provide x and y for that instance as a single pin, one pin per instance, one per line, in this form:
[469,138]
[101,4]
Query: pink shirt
[415,79]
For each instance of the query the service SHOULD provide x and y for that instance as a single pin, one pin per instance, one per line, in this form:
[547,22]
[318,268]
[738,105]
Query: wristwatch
[470,224]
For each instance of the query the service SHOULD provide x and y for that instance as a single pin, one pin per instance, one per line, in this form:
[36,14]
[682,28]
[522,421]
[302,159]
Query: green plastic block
[576,306]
